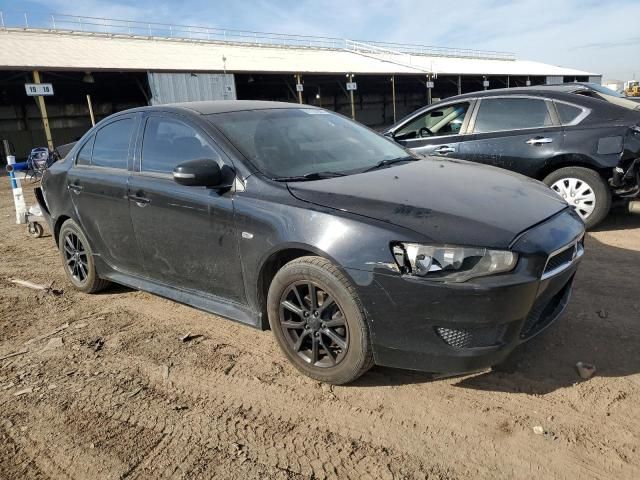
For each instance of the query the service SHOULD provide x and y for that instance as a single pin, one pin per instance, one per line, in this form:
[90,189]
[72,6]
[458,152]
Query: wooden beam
[43,112]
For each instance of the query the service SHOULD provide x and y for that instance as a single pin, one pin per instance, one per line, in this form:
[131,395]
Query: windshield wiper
[386,163]
[310,176]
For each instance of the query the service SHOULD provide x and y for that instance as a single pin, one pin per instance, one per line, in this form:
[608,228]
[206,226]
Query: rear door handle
[539,140]
[140,201]
[444,149]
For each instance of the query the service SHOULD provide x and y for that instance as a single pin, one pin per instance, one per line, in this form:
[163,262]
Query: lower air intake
[471,337]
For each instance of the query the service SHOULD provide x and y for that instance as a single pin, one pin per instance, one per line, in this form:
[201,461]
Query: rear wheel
[585,190]
[77,259]
[318,322]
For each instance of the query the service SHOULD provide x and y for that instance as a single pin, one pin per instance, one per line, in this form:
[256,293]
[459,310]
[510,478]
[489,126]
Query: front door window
[446,120]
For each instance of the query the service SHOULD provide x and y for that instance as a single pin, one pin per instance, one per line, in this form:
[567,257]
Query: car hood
[445,200]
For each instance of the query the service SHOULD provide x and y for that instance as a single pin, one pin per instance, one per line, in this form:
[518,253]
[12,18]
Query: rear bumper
[458,328]
[43,206]
[625,180]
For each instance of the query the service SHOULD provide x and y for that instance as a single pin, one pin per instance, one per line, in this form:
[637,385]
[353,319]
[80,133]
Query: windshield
[292,142]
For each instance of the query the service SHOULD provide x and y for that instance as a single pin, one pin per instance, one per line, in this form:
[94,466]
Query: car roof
[568,95]
[221,106]
[542,90]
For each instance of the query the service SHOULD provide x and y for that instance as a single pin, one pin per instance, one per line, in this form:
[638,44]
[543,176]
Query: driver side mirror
[199,173]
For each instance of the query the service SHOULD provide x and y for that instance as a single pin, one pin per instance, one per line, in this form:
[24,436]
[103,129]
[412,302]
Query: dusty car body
[438,265]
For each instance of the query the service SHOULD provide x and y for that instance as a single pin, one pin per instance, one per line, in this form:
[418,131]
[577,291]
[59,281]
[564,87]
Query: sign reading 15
[36,89]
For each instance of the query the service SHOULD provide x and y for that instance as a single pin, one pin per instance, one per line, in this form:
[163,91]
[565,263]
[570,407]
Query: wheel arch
[58,225]
[572,160]
[273,262]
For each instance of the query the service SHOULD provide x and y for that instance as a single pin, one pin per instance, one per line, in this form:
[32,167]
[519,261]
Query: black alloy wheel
[75,256]
[77,259]
[314,325]
[318,321]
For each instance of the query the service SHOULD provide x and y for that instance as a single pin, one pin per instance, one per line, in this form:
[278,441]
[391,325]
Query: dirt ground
[102,386]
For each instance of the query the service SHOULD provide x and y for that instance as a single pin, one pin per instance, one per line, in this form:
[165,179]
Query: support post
[428,84]
[16,187]
[393,96]
[459,84]
[43,112]
[507,81]
[93,120]
[353,106]
[298,80]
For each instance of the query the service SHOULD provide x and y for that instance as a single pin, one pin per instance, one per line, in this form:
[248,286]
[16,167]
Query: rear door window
[168,142]
[84,155]
[500,114]
[111,147]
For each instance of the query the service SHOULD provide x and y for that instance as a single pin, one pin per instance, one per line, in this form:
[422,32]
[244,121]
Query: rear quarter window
[567,113]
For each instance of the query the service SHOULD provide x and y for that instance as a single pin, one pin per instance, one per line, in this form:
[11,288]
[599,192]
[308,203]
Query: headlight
[451,264]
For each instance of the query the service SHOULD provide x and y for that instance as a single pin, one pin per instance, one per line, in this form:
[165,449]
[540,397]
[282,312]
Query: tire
[35,229]
[340,331]
[77,259]
[594,191]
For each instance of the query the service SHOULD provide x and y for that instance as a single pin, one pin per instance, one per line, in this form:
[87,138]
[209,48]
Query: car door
[435,131]
[186,234]
[98,182]
[516,133]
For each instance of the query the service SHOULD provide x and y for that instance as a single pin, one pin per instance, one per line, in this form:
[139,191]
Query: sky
[600,36]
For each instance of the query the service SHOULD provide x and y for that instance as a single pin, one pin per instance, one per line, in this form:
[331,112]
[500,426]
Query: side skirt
[208,303]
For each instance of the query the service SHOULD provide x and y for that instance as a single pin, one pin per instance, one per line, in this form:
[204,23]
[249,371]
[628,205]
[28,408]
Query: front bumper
[458,328]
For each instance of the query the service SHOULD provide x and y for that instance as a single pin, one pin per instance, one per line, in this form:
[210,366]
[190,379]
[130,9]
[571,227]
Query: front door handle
[75,188]
[140,201]
[444,149]
[539,140]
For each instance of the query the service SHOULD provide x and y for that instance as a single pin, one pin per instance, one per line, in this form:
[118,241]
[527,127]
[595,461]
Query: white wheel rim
[578,194]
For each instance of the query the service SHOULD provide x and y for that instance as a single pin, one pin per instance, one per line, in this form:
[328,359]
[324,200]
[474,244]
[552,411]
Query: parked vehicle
[350,248]
[632,88]
[585,149]
[595,90]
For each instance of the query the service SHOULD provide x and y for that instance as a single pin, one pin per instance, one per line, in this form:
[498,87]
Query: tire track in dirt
[218,424]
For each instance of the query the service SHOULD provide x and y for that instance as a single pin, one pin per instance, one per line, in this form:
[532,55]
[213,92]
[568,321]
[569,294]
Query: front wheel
[318,322]
[585,190]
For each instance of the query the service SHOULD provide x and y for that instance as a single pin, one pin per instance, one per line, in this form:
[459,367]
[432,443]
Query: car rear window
[500,114]
[567,113]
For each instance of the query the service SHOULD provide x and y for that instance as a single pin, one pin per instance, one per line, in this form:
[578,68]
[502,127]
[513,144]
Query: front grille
[471,337]
[545,311]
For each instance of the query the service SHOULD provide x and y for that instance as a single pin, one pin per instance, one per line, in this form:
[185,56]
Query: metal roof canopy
[94,50]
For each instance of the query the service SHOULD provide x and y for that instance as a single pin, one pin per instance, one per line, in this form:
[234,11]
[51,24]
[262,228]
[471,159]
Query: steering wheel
[424,132]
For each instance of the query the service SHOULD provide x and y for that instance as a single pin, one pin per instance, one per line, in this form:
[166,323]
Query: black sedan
[353,250]
[584,148]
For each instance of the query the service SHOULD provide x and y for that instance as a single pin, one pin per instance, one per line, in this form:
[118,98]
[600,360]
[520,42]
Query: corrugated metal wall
[190,87]
[554,80]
